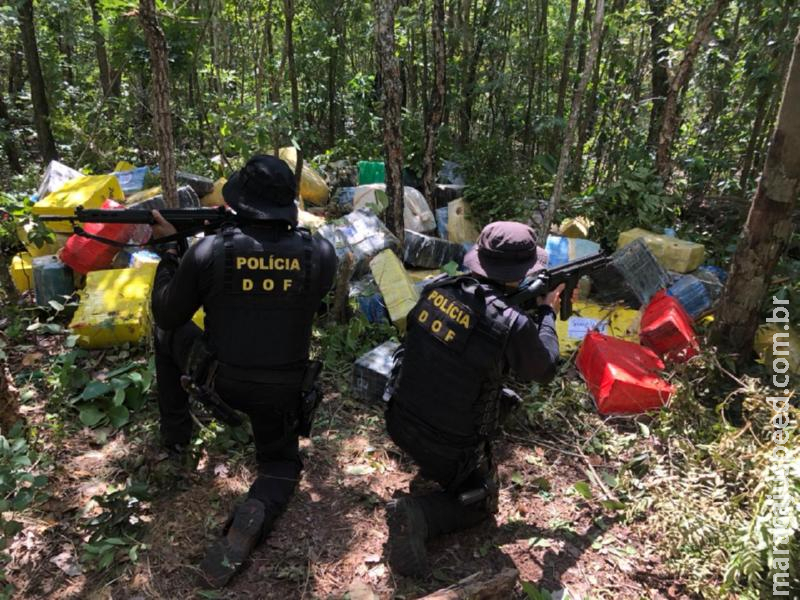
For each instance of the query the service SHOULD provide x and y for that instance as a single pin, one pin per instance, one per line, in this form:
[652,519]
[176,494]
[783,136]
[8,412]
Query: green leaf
[133,554]
[534,592]
[11,528]
[119,397]
[584,489]
[119,415]
[644,430]
[106,560]
[91,415]
[517,479]
[115,541]
[95,389]
[22,500]
[612,505]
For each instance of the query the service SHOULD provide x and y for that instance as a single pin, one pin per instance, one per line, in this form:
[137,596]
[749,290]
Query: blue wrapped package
[692,294]
[718,272]
[131,181]
[344,197]
[373,308]
[441,222]
[561,250]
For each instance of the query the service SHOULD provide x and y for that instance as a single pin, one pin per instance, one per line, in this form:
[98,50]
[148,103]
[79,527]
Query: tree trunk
[7,130]
[472,75]
[41,109]
[392,138]
[288,9]
[577,98]
[162,118]
[670,119]
[100,51]
[16,79]
[565,59]
[659,76]
[436,104]
[767,230]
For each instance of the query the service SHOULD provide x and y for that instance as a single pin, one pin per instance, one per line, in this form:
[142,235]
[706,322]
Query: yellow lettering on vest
[268,285]
[433,295]
[449,336]
[295,266]
[287,283]
[464,320]
[423,316]
[247,285]
[240,262]
[279,264]
[454,312]
[252,263]
[436,326]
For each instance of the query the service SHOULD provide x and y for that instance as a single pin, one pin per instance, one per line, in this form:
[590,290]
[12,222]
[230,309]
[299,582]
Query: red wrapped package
[621,376]
[84,255]
[666,329]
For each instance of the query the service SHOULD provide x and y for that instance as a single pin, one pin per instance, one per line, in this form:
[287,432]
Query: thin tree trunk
[16,78]
[41,109]
[436,111]
[577,98]
[767,230]
[392,138]
[288,10]
[9,147]
[162,118]
[659,76]
[565,59]
[472,75]
[100,51]
[670,120]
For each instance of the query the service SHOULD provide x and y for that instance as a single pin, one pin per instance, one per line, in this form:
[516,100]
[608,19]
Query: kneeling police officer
[446,400]
[260,284]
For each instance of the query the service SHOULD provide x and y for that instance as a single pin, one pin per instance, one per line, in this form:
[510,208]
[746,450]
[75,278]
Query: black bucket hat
[264,188]
[506,252]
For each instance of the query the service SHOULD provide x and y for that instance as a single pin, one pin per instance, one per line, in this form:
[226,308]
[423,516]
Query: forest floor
[329,543]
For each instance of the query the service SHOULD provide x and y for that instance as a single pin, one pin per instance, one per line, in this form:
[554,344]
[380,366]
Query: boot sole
[226,556]
[407,531]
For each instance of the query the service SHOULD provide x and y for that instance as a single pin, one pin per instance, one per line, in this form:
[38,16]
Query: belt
[264,375]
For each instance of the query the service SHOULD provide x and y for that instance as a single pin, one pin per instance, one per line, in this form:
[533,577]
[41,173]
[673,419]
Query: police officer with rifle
[446,399]
[260,282]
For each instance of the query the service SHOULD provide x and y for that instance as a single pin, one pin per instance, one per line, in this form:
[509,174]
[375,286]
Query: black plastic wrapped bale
[202,186]
[187,198]
[371,372]
[447,192]
[428,252]
[632,277]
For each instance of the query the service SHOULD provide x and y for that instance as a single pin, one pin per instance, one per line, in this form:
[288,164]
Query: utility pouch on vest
[394,376]
[509,401]
[199,383]
[310,397]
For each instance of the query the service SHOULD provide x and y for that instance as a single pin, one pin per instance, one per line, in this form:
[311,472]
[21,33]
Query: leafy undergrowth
[666,505]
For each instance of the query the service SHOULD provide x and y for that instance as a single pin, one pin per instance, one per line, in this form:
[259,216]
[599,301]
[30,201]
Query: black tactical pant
[272,409]
[456,470]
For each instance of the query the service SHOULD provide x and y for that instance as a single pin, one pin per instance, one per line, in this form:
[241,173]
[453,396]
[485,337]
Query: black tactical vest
[265,293]
[454,360]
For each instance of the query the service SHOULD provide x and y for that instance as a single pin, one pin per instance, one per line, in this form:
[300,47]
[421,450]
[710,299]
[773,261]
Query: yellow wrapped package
[617,322]
[577,227]
[673,254]
[460,227]
[88,192]
[313,188]
[214,197]
[309,220]
[45,248]
[21,270]
[143,195]
[418,275]
[123,165]
[395,286]
[114,307]
[770,338]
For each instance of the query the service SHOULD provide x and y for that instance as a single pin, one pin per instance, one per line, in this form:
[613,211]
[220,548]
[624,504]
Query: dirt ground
[329,544]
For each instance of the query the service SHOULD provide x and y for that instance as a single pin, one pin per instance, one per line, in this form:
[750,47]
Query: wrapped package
[395,285]
[577,227]
[633,276]
[371,372]
[55,176]
[214,197]
[52,280]
[666,329]
[21,270]
[202,186]
[460,227]
[87,192]
[313,188]
[428,252]
[131,180]
[614,321]
[363,235]
[692,294]
[561,250]
[672,253]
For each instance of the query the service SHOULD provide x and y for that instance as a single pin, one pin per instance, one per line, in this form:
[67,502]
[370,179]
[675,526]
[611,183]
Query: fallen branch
[499,586]
[342,292]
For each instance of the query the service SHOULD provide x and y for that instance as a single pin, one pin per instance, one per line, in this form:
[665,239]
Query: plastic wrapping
[441,222]
[55,176]
[672,253]
[622,376]
[21,270]
[614,321]
[667,329]
[371,372]
[363,235]
[114,307]
[132,180]
[692,294]
[417,215]
[577,227]
[395,286]
[187,198]
[214,197]
[428,252]
[313,188]
[309,220]
[460,227]
[371,171]
[141,258]
[52,280]
[369,300]
[709,277]
[451,173]
[371,197]
[88,192]
[633,277]
[151,192]
[444,193]
[202,186]
[418,275]
[561,250]
[344,197]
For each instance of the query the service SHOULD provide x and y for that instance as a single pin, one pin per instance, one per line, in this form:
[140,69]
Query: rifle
[569,274]
[188,221]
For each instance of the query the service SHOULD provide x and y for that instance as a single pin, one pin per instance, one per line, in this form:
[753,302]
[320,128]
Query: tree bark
[162,118]
[472,75]
[659,76]
[671,117]
[9,147]
[436,104]
[41,109]
[392,138]
[577,98]
[565,59]
[768,227]
[100,51]
[288,10]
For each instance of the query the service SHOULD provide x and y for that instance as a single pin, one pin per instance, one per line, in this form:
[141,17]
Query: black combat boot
[247,526]
[408,530]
